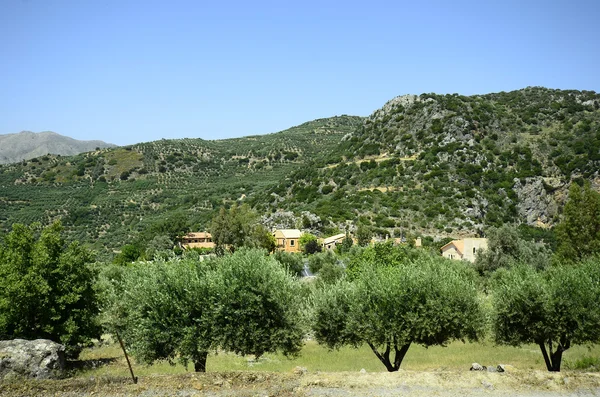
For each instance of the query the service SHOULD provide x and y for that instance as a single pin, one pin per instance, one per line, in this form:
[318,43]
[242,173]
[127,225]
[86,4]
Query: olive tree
[163,310]
[506,247]
[554,309]
[258,307]
[245,302]
[429,302]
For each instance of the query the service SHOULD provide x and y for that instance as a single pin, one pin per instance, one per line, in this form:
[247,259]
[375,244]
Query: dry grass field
[320,372]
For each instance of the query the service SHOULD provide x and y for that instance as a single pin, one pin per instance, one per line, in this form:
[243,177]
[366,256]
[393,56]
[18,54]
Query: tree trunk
[553,359]
[200,362]
[545,354]
[385,356]
[556,360]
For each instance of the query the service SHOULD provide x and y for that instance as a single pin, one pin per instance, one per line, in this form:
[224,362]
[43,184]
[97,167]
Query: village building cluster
[288,240]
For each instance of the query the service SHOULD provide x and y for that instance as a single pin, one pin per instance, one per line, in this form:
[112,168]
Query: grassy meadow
[457,356]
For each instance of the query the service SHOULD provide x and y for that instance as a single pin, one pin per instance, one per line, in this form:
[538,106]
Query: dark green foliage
[312,247]
[46,288]
[163,310]
[578,233]
[245,303]
[554,309]
[129,253]
[429,302]
[345,245]
[258,309]
[238,227]
[309,244]
[364,234]
[317,261]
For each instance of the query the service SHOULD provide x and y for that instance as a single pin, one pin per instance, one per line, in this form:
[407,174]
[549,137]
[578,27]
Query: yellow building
[197,240]
[333,241]
[464,249]
[288,240]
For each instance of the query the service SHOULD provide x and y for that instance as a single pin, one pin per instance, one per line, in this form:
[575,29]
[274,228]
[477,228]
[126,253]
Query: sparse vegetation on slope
[451,164]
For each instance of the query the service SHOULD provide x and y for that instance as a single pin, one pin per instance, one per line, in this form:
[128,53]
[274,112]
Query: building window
[473,250]
[291,243]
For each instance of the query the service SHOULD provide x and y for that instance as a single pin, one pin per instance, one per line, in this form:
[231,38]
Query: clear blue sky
[132,71]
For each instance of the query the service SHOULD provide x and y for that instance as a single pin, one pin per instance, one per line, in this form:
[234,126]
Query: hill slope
[109,197]
[27,145]
[452,165]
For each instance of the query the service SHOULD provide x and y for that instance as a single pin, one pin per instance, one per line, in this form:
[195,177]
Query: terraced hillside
[109,197]
[451,165]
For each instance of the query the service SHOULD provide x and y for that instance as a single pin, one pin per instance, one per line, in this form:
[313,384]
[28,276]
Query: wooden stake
[134,378]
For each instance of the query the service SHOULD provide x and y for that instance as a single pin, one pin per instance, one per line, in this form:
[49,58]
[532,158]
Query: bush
[46,289]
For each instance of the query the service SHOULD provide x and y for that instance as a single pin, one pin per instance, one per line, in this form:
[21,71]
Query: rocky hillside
[437,165]
[451,165]
[27,145]
[110,197]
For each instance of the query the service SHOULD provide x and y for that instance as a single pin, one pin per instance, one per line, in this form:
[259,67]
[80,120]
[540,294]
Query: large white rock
[40,359]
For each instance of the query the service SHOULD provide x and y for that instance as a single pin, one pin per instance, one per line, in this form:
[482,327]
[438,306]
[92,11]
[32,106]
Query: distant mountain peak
[26,145]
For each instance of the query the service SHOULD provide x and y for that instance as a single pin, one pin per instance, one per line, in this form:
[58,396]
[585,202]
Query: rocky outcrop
[540,199]
[40,359]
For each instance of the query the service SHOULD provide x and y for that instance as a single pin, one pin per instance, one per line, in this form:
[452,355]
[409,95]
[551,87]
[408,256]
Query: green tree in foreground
[291,261]
[182,309]
[429,302]
[554,309]
[578,233]
[258,305]
[46,289]
[163,310]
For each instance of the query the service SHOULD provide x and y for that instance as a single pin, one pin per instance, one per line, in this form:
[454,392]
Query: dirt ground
[342,384]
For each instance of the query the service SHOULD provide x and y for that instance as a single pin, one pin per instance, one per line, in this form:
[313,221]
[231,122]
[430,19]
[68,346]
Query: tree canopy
[46,288]
[430,302]
[578,233]
[182,309]
[238,227]
[554,309]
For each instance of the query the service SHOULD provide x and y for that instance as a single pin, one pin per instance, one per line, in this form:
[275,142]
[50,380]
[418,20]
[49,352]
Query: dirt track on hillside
[344,384]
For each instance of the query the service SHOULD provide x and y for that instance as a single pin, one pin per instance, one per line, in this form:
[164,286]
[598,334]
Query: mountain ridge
[26,145]
[431,165]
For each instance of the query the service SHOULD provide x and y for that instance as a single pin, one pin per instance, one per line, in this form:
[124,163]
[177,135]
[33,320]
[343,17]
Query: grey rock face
[539,199]
[40,359]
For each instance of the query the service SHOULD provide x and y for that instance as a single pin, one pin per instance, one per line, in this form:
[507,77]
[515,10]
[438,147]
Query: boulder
[477,367]
[40,359]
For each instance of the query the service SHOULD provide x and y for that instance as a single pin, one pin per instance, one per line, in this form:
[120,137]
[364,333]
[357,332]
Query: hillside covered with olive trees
[109,197]
[435,165]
